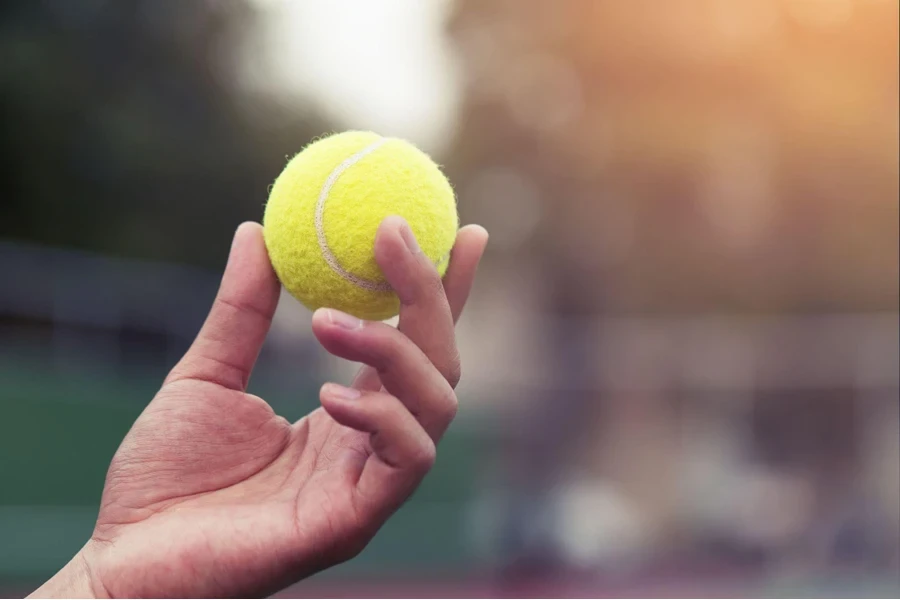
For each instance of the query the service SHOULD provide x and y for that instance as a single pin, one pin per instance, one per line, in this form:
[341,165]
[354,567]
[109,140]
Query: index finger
[464,259]
[425,316]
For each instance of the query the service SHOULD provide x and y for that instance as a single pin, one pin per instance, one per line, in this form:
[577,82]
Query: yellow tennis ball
[325,208]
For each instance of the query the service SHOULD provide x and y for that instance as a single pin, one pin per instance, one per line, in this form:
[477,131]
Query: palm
[213,494]
[201,452]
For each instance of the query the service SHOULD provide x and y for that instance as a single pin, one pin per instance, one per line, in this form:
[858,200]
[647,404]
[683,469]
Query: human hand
[211,494]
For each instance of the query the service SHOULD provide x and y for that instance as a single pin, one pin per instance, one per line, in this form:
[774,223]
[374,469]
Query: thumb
[230,340]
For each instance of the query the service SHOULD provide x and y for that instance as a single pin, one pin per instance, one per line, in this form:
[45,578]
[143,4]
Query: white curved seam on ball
[327,254]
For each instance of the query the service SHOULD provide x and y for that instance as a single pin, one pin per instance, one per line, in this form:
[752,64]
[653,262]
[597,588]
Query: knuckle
[454,371]
[434,285]
[448,407]
[429,286]
[229,305]
[425,455]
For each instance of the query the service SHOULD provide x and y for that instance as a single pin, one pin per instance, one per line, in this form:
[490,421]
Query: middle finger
[403,368]
[425,316]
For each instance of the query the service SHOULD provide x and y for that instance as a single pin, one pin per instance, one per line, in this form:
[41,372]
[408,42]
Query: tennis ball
[325,208]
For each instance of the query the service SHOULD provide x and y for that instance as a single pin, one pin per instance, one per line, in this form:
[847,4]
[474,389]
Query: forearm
[72,581]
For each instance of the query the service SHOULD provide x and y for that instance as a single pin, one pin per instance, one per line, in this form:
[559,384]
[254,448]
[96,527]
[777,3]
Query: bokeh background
[681,358]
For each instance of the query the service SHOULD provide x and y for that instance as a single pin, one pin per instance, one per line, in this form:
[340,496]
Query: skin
[211,494]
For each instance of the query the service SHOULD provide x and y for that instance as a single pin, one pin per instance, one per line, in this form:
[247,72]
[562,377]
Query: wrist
[75,580]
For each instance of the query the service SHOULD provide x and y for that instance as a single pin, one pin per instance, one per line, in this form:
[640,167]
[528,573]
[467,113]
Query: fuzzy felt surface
[394,178]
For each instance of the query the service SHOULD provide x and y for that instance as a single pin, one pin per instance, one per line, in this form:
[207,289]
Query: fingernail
[342,393]
[343,320]
[410,238]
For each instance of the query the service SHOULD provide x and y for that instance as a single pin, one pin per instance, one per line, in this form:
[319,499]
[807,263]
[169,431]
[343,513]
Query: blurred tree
[692,155]
[124,127]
